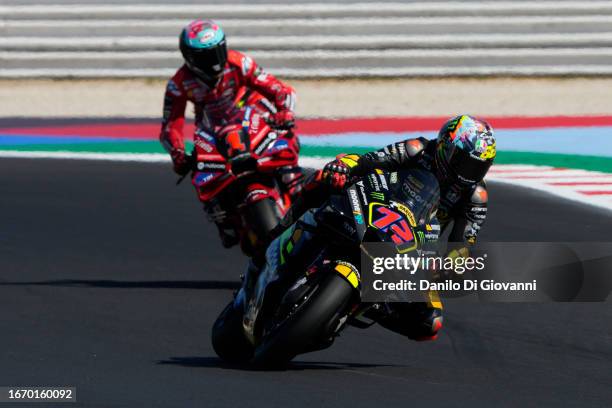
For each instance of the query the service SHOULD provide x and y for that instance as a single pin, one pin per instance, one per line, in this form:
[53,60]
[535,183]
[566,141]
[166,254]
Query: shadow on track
[161,284]
[215,362]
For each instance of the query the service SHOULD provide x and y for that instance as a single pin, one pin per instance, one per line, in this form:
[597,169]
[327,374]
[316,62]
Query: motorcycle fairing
[289,241]
[365,204]
[350,273]
[251,134]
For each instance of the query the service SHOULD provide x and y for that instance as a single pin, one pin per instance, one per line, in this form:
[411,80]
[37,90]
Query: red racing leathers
[212,104]
[243,81]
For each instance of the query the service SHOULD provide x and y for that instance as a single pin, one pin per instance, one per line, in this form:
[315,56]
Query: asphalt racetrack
[111,279]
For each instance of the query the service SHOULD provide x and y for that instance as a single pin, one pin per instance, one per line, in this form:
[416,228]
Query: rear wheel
[228,338]
[309,326]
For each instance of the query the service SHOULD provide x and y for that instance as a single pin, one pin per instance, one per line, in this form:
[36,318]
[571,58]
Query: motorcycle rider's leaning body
[211,78]
[460,158]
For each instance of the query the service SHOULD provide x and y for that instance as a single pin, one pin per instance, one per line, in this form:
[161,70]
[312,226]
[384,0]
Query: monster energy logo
[378,196]
[421,236]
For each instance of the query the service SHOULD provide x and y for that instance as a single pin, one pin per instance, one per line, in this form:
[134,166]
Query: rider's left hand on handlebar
[284,119]
[181,161]
[337,173]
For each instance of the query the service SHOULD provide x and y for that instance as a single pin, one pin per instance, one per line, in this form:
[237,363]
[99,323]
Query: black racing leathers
[466,205]
[462,206]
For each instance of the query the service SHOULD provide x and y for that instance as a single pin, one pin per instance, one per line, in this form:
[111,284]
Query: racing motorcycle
[297,304]
[235,172]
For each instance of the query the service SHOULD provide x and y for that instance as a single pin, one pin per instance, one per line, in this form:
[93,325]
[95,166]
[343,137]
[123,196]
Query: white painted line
[91,55]
[518,171]
[312,41]
[297,9]
[87,73]
[567,194]
[540,179]
[273,23]
[323,54]
[569,70]
[547,173]
[518,167]
[585,187]
[130,157]
[312,162]
[581,184]
[437,53]
[545,178]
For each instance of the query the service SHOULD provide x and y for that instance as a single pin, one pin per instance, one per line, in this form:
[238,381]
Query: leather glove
[181,162]
[338,172]
[284,119]
[285,100]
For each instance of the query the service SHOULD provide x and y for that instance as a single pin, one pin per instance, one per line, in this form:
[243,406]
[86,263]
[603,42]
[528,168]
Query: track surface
[111,279]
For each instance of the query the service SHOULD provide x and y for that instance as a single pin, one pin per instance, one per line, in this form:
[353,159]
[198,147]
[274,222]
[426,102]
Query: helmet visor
[466,167]
[209,62]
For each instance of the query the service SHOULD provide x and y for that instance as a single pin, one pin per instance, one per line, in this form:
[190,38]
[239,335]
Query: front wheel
[261,217]
[310,325]
[228,338]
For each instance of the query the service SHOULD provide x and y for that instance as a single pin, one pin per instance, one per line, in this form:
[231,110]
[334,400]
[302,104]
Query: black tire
[314,322]
[228,338]
[262,216]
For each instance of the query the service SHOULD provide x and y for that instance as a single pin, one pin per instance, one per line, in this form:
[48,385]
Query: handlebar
[243,163]
[239,166]
[192,162]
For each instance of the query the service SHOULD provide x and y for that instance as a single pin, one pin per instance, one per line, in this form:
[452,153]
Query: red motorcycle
[236,173]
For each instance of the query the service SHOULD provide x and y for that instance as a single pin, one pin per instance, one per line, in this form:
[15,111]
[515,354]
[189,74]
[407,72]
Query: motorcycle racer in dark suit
[460,158]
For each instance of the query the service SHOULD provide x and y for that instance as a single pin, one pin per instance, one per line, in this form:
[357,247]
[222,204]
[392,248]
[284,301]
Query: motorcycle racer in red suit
[211,79]
[460,158]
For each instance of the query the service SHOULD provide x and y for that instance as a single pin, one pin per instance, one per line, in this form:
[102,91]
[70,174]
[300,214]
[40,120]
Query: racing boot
[418,321]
